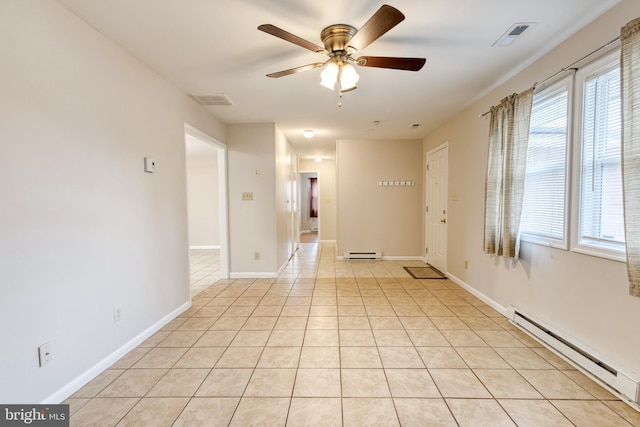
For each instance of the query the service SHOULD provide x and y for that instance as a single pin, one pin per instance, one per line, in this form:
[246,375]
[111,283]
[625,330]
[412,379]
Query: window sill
[611,254]
[542,241]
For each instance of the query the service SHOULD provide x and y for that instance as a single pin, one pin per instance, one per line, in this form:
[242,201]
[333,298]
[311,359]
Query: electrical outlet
[117,314]
[44,354]
[256,255]
[247,196]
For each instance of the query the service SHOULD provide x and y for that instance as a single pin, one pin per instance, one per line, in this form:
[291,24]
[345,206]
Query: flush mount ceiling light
[318,159]
[341,42]
[308,133]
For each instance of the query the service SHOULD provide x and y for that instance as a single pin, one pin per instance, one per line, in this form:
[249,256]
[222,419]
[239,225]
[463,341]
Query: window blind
[601,207]
[544,205]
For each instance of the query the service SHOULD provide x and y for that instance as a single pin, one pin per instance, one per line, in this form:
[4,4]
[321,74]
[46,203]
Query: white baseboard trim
[84,378]
[328,241]
[205,247]
[253,275]
[482,297]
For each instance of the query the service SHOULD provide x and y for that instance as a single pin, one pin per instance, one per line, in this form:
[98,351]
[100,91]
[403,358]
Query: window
[595,187]
[545,196]
[600,226]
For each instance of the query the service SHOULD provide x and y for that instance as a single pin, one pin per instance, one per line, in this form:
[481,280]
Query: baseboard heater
[618,381]
[362,255]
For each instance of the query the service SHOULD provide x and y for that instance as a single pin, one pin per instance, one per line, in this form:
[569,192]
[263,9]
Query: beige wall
[372,217]
[203,197]
[260,161]
[580,296]
[326,171]
[82,227]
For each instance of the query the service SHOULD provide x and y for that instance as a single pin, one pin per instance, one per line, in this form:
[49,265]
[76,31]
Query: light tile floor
[204,267]
[343,343]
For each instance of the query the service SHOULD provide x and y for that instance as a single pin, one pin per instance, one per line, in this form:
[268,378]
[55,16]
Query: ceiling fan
[341,41]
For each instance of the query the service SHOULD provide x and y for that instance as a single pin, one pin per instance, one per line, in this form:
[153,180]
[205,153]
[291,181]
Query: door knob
[443,220]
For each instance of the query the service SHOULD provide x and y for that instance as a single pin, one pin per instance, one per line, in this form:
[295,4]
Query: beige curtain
[630,87]
[504,187]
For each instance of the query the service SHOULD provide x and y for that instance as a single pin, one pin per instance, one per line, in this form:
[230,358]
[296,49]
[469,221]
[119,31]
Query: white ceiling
[211,47]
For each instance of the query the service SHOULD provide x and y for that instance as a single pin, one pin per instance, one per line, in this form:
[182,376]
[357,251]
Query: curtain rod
[569,67]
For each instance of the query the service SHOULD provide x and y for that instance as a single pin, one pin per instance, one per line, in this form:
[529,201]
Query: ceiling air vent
[513,33]
[212,99]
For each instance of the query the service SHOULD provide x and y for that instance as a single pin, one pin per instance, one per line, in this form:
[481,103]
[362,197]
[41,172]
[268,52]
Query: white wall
[284,202]
[251,148]
[327,189]
[583,297]
[372,217]
[260,161]
[82,227]
[202,193]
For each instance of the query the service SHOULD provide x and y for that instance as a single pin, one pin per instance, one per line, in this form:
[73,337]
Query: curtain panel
[506,163]
[630,92]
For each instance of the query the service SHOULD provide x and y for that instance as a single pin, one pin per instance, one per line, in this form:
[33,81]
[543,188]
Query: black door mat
[425,272]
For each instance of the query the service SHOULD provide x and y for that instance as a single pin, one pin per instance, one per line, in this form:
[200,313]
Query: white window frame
[599,66]
[567,82]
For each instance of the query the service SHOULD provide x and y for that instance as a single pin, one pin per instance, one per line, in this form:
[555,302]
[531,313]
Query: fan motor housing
[335,37]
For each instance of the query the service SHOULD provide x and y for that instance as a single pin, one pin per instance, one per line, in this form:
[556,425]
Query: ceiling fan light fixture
[329,75]
[340,42]
[348,77]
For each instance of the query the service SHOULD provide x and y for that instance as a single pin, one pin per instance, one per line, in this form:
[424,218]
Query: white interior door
[437,195]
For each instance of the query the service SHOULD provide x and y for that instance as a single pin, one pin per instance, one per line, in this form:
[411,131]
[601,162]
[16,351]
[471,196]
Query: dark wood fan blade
[296,70]
[410,64]
[291,38]
[382,21]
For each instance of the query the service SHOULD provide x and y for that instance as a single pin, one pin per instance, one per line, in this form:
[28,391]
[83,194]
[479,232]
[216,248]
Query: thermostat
[149,165]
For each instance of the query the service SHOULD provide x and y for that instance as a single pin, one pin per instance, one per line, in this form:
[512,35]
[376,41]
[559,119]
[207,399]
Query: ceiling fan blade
[410,64]
[296,70]
[291,38]
[382,21]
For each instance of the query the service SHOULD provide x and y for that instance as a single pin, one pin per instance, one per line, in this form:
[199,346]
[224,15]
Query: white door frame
[309,171]
[223,198]
[444,146]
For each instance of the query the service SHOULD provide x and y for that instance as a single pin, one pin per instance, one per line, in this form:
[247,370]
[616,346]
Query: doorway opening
[309,185]
[206,174]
